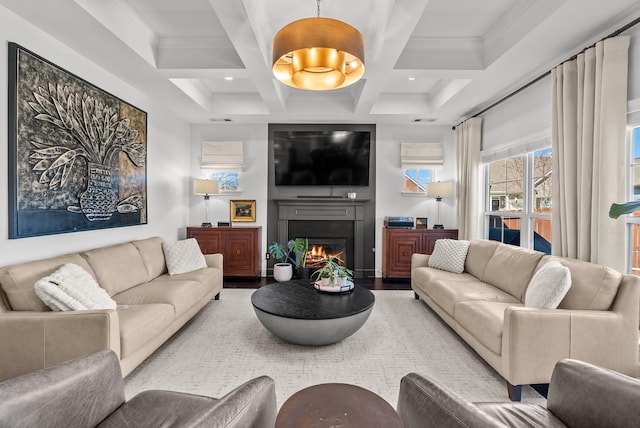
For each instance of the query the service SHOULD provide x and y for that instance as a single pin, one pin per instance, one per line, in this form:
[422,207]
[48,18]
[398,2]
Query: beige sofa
[152,306]
[596,322]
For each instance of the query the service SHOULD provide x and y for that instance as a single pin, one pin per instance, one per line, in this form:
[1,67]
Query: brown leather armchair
[89,392]
[580,395]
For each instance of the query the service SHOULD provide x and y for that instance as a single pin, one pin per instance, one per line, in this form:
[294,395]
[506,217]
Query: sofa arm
[534,340]
[424,403]
[80,393]
[419,260]
[36,340]
[251,405]
[214,260]
[582,394]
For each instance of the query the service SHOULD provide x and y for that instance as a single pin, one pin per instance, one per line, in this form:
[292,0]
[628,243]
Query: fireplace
[335,237]
[342,226]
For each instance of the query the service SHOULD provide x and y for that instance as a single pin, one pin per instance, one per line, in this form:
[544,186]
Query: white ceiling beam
[235,21]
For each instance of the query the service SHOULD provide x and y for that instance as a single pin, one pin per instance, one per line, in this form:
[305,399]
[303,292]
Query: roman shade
[420,155]
[223,156]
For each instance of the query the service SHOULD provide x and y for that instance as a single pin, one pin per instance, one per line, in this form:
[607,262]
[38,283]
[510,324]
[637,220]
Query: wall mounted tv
[321,158]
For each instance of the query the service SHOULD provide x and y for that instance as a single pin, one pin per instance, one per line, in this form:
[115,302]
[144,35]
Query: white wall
[167,154]
[389,181]
[389,178]
[524,117]
[252,181]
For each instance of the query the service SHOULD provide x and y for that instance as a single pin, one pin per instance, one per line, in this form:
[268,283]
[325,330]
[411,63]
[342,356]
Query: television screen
[321,158]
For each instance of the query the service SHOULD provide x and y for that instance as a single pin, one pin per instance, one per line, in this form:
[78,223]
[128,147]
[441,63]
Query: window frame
[630,220]
[527,216]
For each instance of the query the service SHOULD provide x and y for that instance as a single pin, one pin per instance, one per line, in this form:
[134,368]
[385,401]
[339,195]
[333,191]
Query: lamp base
[438,226]
[206,224]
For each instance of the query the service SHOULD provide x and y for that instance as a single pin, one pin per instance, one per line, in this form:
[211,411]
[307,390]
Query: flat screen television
[321,158]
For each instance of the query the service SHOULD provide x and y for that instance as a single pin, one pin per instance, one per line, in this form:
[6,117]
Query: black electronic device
[398,222]
[321,158]
[224,224]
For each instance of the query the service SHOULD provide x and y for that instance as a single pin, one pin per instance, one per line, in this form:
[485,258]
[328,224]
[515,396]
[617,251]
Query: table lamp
[439,190]
[206,188]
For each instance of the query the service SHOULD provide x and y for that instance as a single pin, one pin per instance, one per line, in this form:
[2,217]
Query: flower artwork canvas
[77,154]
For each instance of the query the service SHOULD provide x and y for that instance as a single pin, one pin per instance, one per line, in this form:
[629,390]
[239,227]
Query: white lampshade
[206,187]
[440,189]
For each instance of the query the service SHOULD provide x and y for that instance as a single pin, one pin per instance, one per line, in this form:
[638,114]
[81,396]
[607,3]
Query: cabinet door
[400,245]
[208,239]
[431,236]
[239,253]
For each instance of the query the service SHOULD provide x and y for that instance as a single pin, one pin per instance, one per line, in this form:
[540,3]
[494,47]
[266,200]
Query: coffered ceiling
[432,61]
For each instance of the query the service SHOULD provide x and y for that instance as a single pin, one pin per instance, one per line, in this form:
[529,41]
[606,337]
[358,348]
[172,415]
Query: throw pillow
[183,256]
[71,288]
[449,255]
[548,286]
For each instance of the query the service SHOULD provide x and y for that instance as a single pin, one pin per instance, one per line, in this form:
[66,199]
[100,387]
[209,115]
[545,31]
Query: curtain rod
[542,76]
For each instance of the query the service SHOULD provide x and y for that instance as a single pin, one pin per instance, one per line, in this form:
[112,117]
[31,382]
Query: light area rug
[225,345]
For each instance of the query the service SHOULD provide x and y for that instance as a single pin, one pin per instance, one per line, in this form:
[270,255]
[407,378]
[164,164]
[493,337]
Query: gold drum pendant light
[318,54]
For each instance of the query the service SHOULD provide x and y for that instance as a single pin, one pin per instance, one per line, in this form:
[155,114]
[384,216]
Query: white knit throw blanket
[71,288]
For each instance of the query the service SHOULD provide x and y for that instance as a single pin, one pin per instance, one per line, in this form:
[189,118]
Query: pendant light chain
[318,4]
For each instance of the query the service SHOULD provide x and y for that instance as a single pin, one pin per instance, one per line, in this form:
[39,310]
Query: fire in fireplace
[321,249]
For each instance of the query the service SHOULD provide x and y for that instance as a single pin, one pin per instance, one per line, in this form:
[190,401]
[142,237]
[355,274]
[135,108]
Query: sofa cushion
[484,321]
[449,255]
[183,256]
[72,288]
[17,281]
[182,295]
[424,275]
[117,267]
[511,268]
[447,294]
[209,277]
[522,414]
[140,324]
[478,256]
[593,286]
[548,286]
[150,250]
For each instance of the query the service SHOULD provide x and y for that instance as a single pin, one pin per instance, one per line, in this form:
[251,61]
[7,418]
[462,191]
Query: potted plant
[282,270]
[300,247]
[335,273]
[342,275]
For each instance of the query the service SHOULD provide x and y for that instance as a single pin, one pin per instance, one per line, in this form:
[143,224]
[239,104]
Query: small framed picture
[243,211]
[421,222]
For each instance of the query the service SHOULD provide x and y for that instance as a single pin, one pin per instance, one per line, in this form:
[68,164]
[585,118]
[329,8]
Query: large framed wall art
[77,154]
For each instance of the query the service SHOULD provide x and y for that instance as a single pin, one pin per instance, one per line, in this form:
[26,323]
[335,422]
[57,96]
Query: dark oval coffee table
[296,312]
[336,405]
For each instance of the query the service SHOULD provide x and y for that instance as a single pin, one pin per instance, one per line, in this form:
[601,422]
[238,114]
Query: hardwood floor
[370,283]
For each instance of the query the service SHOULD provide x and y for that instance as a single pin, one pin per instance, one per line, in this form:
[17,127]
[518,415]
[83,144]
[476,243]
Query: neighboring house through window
[519,202]
[416,180]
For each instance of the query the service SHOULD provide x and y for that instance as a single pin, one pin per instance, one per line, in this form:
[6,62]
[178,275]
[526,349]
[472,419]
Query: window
[633,221]
[519,201]
[415,180]
[228,181]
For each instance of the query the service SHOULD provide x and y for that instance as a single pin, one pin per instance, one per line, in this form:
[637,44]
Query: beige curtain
[469,185]
[588,137]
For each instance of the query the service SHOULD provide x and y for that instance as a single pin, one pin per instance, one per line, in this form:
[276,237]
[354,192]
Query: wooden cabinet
[399,244]
[240,247]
